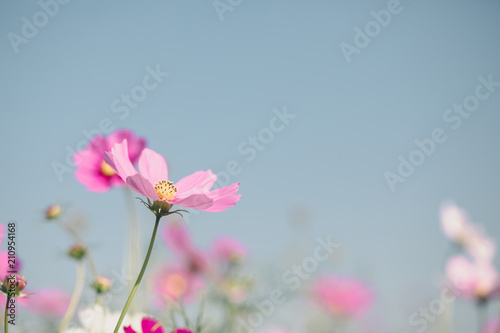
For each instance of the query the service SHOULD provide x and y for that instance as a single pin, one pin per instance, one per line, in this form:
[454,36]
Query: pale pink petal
[460,272]
[142,186]
[196,183]
[226,249]
[119,160]
[341,296]
[174,282]
[224,191]
[51,303]
[454,221]
[176,236]
[196,201]
[223,204]
[150,325]
[153,166]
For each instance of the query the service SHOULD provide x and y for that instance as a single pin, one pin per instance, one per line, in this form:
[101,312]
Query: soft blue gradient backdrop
[225,78]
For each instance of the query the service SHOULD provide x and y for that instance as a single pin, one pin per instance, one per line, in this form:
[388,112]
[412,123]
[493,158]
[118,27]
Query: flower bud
[77,252]
[102,284]
[53,212]
[14,284]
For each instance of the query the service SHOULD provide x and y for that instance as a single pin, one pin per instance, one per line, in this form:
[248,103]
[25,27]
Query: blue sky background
[225,79]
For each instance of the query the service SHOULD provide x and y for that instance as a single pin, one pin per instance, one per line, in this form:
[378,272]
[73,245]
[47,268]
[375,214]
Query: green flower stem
[75,298]
[139,278]
[5,322]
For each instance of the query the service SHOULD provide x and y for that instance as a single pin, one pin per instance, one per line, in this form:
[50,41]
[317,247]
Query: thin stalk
[76,236]
[481,307]
[139,278]
[182,310]
[5,321]
[134,244]
[75,298]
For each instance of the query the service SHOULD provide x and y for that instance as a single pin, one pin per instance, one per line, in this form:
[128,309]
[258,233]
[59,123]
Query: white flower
[99,319]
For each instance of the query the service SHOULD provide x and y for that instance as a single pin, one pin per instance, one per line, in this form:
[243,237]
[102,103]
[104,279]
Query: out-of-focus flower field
[217,289]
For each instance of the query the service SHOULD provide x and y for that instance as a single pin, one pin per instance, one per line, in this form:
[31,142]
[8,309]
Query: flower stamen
[165,190]
[106,169]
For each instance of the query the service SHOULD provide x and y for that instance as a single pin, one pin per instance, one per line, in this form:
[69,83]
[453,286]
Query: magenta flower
[93,172]
[152,181]
[341,296]
[148,325]
[477,280]
[182,330]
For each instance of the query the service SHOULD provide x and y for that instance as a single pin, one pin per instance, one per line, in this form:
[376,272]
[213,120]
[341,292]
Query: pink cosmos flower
[174,282]
[151,181]
[178,240]
[492,326]
[341,296]
[93,172]
[454,222]
[148,325]
[458,228]
[182,330]
[48,303]
[473,279]
[227,250]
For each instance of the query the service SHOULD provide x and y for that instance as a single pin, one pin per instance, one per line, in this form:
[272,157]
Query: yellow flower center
[106,169]
[176,285]
[165,190]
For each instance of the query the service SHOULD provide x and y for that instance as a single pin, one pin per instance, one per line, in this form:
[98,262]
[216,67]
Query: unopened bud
[78,251]
[102,284]
[53,212]
[13,284]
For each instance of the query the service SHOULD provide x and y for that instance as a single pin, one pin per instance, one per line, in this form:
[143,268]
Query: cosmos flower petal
[198,182]
[91,170]
[142,186]
[223,204]
[196,201]
[95,182]
[224,191]
[150,325]
[119,160]
[129,329]
[176,236]
[153,166]
[135,145]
